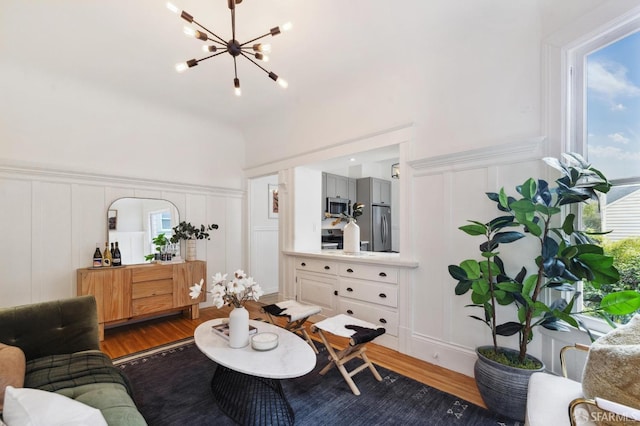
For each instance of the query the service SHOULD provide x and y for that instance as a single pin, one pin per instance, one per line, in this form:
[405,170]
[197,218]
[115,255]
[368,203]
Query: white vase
[191,250]
[239,328]
[351,237]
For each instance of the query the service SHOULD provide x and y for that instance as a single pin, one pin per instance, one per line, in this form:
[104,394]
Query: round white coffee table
[246,383]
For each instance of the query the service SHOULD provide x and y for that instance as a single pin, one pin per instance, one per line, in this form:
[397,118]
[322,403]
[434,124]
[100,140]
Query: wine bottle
[106,255]
[117,258]
[97,257]
[112,250]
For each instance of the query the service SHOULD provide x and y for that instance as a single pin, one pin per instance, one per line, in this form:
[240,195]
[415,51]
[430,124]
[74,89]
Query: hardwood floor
[137,337]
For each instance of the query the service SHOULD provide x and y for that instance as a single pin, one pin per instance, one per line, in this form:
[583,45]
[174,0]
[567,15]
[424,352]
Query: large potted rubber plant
[564,256]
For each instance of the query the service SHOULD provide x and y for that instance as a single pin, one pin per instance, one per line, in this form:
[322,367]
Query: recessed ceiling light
[352,159]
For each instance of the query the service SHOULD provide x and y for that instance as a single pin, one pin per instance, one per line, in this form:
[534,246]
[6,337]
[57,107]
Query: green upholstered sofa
[62,350]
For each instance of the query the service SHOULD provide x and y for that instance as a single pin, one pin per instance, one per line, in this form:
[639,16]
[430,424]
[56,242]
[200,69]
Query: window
[606,116]
[159,223]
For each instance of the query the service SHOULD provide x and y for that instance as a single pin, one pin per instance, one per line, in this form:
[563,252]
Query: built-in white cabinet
[366,291]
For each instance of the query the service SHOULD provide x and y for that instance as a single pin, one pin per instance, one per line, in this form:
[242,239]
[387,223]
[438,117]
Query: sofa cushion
[111,399]
[55,372]
[33,407]
[611,370]
[12,368]
[548,399]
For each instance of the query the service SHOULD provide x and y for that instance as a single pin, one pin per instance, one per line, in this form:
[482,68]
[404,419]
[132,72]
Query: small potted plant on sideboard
[189,233]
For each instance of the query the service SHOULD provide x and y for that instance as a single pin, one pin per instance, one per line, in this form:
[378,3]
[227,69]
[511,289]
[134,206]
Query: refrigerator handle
[384,230]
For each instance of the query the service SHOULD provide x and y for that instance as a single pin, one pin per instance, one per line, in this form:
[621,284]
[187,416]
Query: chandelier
[232,47]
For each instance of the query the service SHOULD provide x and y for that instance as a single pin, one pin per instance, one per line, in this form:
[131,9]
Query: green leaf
[507,237]
[472,269]
[509,286]
[532,227]
[621,302]
[567,225]
[457,273]
[480,287]
[529,284]
[523,206]
[474,229]
[508,328]
[462,287]
[480,299]
[528,189]
[503,198]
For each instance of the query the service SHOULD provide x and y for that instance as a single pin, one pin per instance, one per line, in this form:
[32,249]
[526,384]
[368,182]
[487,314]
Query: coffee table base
[251,400]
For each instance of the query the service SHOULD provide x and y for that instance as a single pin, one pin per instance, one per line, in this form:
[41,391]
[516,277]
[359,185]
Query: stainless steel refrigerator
[380,228]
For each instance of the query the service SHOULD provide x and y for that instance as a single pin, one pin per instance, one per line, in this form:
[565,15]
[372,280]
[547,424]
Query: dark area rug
[172,386]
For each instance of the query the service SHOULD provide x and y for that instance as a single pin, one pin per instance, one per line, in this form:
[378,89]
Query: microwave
[337,206]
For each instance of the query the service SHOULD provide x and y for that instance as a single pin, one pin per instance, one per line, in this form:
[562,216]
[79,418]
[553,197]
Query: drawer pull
[303,264]
[350,270]
[384,296]
[349,311]
[327,267]
[349,289]
[382,320]
[335,292]
[382,274]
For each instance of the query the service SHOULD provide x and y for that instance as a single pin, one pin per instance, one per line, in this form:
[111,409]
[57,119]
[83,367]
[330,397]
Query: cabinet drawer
[148,305]
[317,265]
[382,273]
[377,316]
[154,272]
[151,288]
[367,291]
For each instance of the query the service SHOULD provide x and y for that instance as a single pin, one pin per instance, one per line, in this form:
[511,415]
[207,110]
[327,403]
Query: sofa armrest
[51,328]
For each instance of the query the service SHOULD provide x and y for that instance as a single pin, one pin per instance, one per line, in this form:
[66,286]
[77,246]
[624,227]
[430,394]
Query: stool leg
[337,360]
[375,373]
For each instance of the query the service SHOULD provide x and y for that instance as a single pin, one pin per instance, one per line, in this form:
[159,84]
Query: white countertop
[375,257]
[293,357]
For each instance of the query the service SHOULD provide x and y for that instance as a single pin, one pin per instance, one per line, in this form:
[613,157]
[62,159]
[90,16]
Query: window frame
[576,117]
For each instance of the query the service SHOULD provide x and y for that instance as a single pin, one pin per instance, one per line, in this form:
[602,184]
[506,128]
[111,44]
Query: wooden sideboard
[138,291]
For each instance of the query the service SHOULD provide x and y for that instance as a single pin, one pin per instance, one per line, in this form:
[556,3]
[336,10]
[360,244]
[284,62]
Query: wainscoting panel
[53,220]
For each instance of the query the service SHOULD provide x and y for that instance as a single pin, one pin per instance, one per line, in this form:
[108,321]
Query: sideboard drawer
[151,288]
[147,305]
[382,273]
[378,316]
[152,272]
[367,291]
[317,265]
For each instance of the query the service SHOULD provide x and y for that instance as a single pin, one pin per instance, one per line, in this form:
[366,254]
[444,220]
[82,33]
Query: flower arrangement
[356,211]
[234,292]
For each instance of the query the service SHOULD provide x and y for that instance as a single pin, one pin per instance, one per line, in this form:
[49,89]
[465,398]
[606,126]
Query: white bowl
[264,341]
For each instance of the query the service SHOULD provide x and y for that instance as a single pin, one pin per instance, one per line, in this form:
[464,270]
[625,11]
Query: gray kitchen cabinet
[336,186]
[352,190]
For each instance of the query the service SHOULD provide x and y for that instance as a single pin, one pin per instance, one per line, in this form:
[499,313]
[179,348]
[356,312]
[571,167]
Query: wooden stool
[359,333]
[296,313]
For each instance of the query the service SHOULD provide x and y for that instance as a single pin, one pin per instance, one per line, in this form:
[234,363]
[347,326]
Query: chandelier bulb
[188,31]
[259,47]
[236,84]
[181,67]
[283,83]
[172,7]
[207,48]
[286,26]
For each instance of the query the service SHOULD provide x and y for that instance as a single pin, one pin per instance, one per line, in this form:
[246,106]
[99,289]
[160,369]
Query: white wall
[67,150]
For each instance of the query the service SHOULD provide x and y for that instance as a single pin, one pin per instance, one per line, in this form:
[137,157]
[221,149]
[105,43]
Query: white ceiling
[131,46]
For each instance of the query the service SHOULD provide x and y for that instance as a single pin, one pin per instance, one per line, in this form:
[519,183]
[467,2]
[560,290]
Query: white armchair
[558,400]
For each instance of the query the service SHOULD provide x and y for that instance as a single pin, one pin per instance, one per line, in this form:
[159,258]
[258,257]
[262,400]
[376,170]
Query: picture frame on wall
[112,219]
[273,201]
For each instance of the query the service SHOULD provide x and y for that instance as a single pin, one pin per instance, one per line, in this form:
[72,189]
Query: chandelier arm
[210,56]
[222,41]
[233,23]
[257,38]
[235,67]
[255,63]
